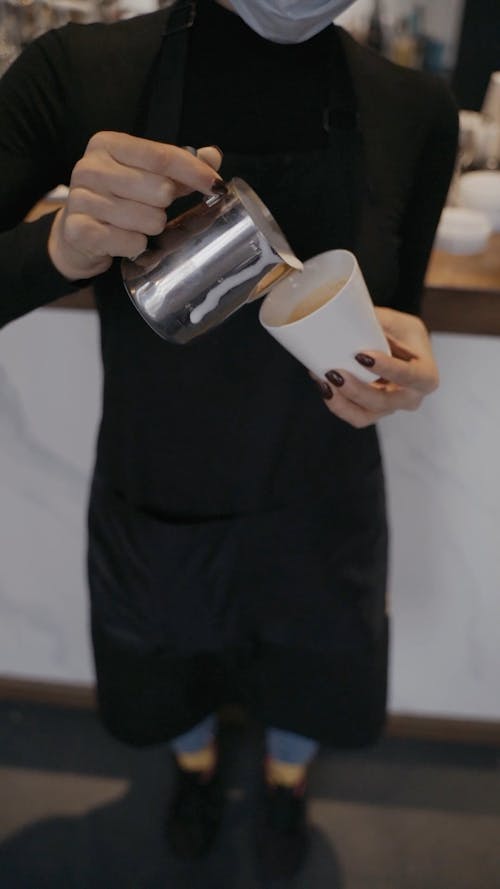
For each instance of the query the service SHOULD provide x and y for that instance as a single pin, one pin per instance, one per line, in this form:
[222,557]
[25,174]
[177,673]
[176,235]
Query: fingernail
[219,187]
[335,378]
[324,389]
[217,148]
[365,360]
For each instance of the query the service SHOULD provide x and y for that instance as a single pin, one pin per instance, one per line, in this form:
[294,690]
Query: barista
[237,519]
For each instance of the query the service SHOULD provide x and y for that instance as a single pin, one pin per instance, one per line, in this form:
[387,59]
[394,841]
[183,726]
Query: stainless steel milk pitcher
[224,252]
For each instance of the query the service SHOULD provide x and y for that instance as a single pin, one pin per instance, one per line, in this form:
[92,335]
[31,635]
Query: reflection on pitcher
[208,262]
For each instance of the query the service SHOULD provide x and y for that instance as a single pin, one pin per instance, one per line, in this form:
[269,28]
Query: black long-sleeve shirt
[232,423]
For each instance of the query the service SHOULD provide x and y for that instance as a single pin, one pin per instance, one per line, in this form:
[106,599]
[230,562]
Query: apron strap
[342,123]
[163,99]
[339,114]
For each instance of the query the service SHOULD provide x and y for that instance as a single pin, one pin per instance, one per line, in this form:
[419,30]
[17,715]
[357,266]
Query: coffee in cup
[316,299]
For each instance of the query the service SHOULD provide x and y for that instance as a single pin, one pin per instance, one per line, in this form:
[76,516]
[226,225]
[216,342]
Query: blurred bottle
[491,115]
[375,33]
[408,38]
[491,103]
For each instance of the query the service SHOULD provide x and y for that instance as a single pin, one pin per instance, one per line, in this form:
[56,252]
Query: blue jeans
[283,746]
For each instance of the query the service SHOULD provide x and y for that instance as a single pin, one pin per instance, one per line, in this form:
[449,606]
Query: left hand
[400,380]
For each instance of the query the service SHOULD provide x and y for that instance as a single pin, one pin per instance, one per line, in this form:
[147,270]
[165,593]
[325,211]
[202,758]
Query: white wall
[49,404]
[444,492]
[443,474]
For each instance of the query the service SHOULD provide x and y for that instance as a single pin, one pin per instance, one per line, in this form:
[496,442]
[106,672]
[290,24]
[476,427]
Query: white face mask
[289,21]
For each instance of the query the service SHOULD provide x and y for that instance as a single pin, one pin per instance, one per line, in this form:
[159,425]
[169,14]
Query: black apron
[282,610]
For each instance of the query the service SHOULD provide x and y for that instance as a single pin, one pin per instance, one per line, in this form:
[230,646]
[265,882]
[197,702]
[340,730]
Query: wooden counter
[462,293]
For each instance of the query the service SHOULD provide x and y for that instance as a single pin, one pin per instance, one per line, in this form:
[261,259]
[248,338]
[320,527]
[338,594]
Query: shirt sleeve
[428,196]
[33,121]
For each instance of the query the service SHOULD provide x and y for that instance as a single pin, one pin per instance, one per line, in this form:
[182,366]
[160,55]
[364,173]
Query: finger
[413,330]
[349,412]
[398,350]
[211,155]
[125,214]
[104,175]
[372,397]
[95,239]
[341,407]
[157,157]
[393,322]
[420,373]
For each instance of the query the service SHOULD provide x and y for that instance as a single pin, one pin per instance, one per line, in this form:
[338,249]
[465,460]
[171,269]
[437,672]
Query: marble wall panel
[443,471]
[49,403]
[443,479]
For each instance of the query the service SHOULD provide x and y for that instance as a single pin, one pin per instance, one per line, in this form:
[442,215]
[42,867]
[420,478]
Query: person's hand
[117,198]
[400,382]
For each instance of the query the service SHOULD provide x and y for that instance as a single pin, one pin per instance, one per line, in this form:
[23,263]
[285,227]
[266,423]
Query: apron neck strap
[163,99]
[181,17]
[341,107]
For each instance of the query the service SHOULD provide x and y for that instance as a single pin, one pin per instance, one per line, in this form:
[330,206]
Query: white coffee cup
[330,336]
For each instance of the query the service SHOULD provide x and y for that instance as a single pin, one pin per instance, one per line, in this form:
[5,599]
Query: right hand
[117,198]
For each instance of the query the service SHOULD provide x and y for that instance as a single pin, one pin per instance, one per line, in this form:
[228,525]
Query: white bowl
[481,191]
[463,231]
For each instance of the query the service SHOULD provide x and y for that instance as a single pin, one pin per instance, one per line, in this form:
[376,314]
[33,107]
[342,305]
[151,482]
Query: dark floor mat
[80,811]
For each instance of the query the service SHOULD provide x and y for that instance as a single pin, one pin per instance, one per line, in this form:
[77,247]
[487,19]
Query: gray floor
[80,811]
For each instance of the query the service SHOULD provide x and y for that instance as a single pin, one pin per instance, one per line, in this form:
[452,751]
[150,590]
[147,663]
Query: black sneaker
[282,833]
[195,813]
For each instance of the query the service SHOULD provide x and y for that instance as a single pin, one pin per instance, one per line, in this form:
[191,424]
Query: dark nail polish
[325,390]
[219,187]
[335,378]
[365,360]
